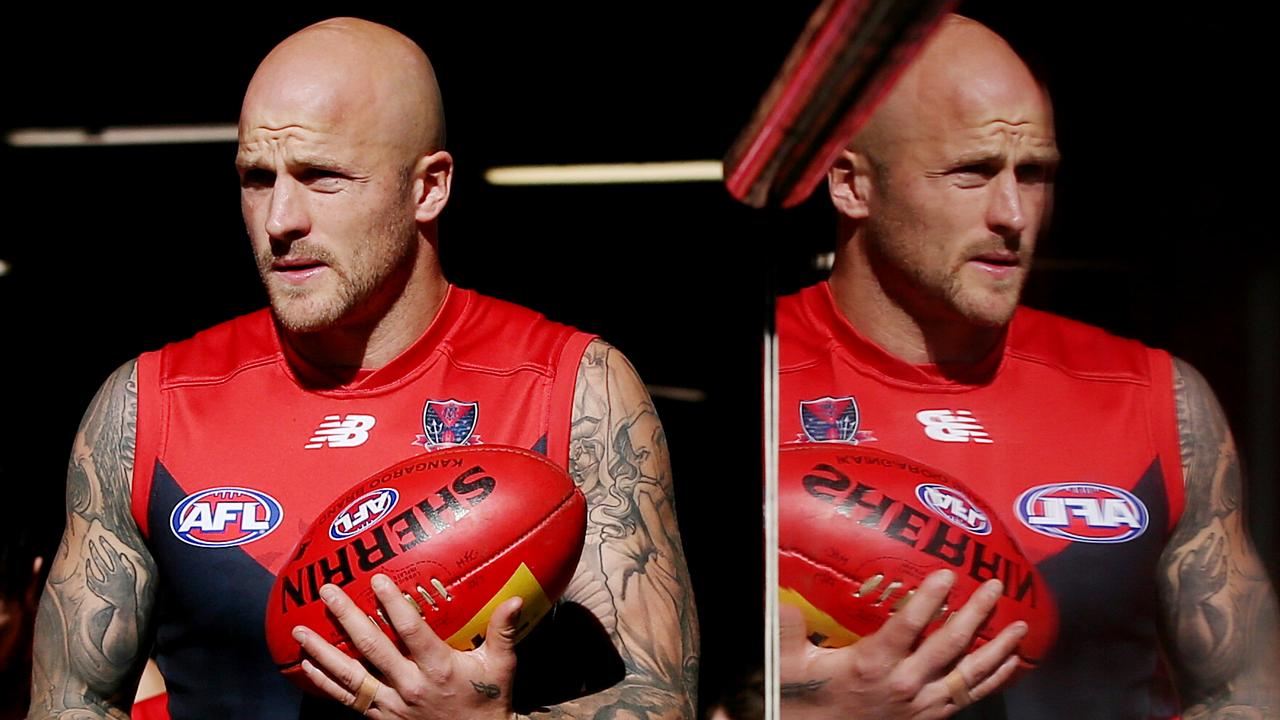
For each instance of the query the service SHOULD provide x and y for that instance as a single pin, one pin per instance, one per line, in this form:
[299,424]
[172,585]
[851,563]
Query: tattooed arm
[93,615]
[1219,609]
[632,574]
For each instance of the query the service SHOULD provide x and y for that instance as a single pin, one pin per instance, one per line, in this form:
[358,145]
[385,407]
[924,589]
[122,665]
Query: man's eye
[257,178]
[1034,174]
[976,171]
[321,178]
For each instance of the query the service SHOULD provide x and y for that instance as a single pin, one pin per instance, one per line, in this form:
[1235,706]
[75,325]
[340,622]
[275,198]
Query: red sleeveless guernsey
[1068,432]
[235,456]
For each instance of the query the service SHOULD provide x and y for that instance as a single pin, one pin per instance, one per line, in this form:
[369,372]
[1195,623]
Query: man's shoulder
[805,324]
[1078,348]
[497,333]
[220,350]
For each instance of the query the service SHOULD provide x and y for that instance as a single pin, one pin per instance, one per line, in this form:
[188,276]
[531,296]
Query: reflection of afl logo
[363,512]
[1083,512]
[952,505]
[225,516]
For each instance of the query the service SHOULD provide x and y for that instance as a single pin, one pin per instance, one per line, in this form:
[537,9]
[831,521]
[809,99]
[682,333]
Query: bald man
[1110,462]
[365,356]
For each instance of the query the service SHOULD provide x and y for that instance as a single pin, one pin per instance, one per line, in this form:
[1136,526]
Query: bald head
[345,71]
[965,74]
[943,196]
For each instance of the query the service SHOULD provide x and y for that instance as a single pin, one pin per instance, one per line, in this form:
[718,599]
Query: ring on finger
[959,688]
[364,696]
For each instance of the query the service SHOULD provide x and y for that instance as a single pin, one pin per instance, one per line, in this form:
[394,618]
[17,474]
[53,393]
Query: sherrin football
[458,531]
[859,529]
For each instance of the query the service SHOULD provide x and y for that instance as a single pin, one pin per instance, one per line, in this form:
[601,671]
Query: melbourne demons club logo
[448,423]
[1083,512]
[363,512]
[952,505]
[225,516]
[831,419]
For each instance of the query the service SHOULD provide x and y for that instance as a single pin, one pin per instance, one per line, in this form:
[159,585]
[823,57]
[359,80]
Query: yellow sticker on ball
[536,604]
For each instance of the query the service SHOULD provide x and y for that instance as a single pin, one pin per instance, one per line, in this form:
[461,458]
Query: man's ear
[849,183]
[432,179]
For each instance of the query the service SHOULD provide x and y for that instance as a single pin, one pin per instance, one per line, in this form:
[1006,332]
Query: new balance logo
[952,426]
[337,431]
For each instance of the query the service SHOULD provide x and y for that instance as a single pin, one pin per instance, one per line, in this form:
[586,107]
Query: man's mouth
[297,269]
[999,264]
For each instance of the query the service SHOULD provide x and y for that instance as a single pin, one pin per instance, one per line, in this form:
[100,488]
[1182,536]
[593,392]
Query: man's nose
[287,218]
[1006,210]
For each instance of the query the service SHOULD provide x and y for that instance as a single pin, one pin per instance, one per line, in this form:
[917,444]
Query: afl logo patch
[952,505]
[363,512]
[1083,512]
[225,516]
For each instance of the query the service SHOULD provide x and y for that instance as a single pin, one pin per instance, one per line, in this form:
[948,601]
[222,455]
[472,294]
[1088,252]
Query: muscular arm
[632,575]
[94,611]
[1219,610]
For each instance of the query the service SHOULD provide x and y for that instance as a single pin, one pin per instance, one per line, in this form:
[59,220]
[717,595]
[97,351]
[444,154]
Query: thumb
[792,633]
[504,625]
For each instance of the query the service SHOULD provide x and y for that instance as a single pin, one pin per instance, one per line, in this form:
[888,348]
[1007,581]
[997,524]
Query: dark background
[1162,229]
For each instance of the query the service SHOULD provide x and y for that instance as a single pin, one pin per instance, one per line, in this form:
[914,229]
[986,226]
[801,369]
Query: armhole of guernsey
[562,387]
[147,440]
[1164,419]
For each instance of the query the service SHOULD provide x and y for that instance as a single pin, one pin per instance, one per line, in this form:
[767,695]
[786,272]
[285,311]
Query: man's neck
[911,334]
[369,343]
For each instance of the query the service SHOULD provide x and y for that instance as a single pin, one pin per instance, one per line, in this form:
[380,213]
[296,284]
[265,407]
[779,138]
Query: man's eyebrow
[326,162]
[980,156]
[250,159]
[1043,153]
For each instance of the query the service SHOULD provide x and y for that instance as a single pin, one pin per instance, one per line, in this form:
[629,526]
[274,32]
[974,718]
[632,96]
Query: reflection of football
[458,531]
[858,529]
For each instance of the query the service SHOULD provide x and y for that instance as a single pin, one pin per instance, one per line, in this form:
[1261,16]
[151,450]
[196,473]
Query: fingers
[330,669]
[951,640]
[366,637]
[898,635]
[403,613]
[980,673]
[326,684]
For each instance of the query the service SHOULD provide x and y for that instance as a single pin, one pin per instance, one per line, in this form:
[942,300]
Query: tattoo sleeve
[93,615]
[632,575]
[1219,610]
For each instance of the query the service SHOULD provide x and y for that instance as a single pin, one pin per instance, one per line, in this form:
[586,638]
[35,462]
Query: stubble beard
[930,290]
[347,289]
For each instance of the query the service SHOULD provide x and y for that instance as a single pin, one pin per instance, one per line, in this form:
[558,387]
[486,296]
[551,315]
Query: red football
[858,529]
[458,531]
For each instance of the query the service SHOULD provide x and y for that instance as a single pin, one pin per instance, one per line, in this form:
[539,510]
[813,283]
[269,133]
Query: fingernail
[1020,628]
[300,634]
[947,576]
[380,582]
[327,593]
[994,588]
[307,667]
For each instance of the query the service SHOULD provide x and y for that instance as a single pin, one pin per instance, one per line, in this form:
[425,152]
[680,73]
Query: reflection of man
[1110,462]
[367,351]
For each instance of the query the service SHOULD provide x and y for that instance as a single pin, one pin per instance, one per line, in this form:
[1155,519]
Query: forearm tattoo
[632,575]
[1220,611]
[89,631]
